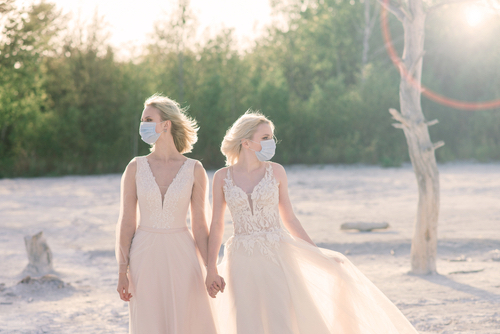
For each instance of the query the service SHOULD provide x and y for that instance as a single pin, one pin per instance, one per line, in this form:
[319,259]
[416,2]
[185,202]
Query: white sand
[78,216]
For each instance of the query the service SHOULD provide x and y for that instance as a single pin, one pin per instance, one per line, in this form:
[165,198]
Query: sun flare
[474,15]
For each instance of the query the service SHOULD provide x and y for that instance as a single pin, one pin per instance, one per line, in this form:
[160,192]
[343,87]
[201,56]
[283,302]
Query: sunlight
[475,15]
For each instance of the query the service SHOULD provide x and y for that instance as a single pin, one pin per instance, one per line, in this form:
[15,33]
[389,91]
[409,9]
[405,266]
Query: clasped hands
[214,283]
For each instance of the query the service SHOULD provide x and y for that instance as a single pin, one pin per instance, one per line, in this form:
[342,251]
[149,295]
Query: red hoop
[426,91]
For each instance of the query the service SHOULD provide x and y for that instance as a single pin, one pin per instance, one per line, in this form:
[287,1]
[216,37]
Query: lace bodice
[256,215]
[172,212]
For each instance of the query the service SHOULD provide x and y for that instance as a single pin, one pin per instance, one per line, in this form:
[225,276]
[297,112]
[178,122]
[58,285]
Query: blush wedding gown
[165,270]
[278,284]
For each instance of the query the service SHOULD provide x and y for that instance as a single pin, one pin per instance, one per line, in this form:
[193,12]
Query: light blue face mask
[148,133]
[267,151]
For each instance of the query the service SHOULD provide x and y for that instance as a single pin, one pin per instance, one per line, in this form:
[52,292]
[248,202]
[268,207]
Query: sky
[130,21]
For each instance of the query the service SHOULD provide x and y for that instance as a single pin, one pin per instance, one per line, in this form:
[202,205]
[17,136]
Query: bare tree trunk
[370,19]
[181,75]
[420,147]
[135,135]
[366,35]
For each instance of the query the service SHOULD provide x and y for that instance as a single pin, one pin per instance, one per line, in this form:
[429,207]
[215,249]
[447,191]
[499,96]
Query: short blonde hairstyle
[243,128]
[184,128]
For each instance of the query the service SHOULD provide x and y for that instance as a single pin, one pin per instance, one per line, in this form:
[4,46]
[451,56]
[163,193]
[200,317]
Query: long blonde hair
[243,128]
[184,128]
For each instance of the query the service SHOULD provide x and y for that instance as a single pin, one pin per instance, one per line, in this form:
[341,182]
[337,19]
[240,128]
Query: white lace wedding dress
[277,284]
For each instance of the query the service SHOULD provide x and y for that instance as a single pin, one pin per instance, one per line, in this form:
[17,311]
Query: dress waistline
[163,230]
[257,233]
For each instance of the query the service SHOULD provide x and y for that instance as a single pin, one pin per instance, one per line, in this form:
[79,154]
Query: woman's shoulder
[135,160]
[278,171]
[131,168]
[138,158]
[277,168]
[220,174]
[197,165]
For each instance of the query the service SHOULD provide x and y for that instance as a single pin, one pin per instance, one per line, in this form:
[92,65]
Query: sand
[78,215]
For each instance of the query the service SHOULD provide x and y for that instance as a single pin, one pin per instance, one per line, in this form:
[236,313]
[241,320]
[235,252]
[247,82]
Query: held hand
[214,283]
[123,287]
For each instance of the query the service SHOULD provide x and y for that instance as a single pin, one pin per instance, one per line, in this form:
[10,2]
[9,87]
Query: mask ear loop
[256,143]
[248,145]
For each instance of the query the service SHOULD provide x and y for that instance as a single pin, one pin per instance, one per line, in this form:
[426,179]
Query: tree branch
[438,144]
[398,11]
[448,2]
[433,122]
[374,18]
[398,125]
[398,117]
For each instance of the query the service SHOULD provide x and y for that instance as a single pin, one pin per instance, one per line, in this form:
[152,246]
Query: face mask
[148,133]
[267,151]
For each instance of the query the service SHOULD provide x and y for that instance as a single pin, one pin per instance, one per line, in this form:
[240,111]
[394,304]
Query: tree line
[69,106]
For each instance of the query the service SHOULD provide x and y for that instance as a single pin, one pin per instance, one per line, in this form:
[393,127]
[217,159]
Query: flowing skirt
[297,288]
[167,285]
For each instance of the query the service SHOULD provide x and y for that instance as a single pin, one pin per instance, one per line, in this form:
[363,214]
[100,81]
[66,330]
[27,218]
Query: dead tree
[370,17]
[415,127]
[412,14]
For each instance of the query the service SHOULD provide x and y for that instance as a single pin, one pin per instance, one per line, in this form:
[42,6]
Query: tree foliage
[67,105]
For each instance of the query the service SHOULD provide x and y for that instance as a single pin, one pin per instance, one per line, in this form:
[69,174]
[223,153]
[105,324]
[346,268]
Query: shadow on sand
[465,288]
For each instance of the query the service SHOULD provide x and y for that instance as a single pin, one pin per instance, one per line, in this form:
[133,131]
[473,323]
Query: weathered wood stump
[364,227]
[39,255]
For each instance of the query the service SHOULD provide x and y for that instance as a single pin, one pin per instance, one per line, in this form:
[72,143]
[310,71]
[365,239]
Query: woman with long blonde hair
[278,281]
[160,260]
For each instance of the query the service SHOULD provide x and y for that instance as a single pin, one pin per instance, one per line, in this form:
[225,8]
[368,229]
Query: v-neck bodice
[257,211]
[171,212]
[256,219]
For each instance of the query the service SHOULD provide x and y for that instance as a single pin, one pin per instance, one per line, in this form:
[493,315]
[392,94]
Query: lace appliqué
[258,226]
[267,242]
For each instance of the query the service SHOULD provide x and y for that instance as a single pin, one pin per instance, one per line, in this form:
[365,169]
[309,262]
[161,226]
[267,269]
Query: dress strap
[229,176]
[140,165]
[190,164]
[269,169]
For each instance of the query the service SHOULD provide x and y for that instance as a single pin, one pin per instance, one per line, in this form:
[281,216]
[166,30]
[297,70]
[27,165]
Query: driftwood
[363,227]
[39,255]
[466,272]
[48,280]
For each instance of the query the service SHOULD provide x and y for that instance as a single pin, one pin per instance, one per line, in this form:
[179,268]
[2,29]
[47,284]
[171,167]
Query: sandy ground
[78,214]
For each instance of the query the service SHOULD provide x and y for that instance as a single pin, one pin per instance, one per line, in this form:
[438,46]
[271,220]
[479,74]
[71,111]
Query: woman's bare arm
[126,226]
[198,210]
[290,221]
[216,233]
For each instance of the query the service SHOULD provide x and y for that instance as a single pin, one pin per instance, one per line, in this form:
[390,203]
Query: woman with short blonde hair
[161,263]
[184,128]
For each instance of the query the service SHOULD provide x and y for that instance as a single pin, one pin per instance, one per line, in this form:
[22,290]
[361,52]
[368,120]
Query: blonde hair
[184,128]
[243,128]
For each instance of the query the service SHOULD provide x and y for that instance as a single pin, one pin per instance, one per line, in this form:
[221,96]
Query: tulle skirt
[167,285]
[297,288]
